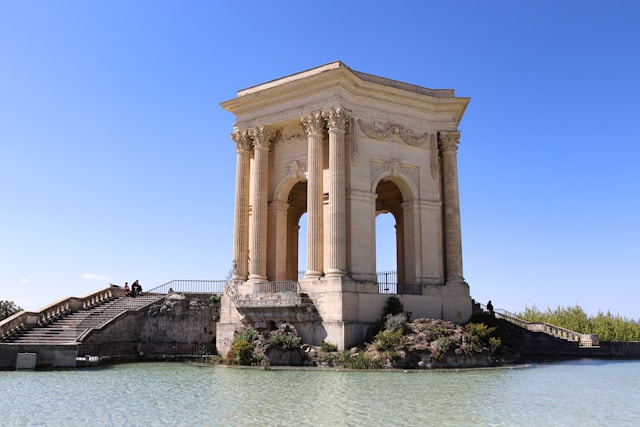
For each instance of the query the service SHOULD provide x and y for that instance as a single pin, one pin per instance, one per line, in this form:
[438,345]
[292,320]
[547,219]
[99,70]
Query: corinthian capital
[261,136]
[449,140]
[313,123]
[242,140]
[336,118]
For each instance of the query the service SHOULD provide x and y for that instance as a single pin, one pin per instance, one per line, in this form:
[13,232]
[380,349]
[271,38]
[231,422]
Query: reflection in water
[155,394]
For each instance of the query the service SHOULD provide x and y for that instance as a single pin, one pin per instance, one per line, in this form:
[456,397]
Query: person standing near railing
[490,308]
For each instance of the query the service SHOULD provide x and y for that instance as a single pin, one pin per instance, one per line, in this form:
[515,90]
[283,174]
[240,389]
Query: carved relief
[389,131]
[290,134]
[395,168]
[297,170]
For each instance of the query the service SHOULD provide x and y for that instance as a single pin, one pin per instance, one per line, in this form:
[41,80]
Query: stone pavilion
[342,147]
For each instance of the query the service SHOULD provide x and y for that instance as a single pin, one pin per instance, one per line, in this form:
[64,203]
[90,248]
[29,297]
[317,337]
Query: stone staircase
[69,328]
[583,340]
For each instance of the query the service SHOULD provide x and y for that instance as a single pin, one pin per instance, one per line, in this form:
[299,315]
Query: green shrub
[479,330]
[494,343]
[395,322]
[247,334]
[359,361]
[443,344]
[393,306]
[328,347]
[241,353]
[388,341]
[284,340]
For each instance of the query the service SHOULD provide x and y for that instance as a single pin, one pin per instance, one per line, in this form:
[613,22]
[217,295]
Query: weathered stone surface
[178,325]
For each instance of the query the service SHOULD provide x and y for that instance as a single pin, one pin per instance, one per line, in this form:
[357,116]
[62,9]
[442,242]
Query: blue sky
[116,162]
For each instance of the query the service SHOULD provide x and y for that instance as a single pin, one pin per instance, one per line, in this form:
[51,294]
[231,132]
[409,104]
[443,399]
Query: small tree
[8,308]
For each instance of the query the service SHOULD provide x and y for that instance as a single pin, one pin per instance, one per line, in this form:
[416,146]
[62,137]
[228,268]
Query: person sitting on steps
[136,289]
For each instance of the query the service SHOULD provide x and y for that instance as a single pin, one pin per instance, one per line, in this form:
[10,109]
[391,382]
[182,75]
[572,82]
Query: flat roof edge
[292,77]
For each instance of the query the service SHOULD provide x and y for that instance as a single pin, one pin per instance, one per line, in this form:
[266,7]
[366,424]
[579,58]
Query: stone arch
[394,193]
[405,183]
[291,195]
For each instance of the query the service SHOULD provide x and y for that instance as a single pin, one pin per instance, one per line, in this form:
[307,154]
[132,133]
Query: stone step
[66,328]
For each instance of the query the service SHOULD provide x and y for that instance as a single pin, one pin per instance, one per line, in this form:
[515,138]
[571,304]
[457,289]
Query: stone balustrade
[583,340]
[16,323]
[28,319]
[100,296]
[279,286]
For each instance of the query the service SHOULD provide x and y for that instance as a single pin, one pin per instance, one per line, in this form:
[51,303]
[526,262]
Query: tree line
[8,308]
[608,327]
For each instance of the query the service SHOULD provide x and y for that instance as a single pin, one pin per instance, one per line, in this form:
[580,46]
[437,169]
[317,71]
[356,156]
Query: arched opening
[386,252]
[389,236]
[302,245]
[296,231]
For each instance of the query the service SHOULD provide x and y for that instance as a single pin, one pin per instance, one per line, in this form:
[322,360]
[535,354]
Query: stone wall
[47,356]
[178,326]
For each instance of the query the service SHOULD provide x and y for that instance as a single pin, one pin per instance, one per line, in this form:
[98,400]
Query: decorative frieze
[291,134]
[389,131]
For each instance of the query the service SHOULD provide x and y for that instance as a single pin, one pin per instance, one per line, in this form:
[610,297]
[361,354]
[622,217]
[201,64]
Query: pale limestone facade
[343,146]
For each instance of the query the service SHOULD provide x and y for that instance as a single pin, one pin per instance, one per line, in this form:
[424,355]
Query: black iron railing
[388,284]
[191,287]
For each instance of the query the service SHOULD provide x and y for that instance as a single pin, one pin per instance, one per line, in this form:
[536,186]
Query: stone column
[241,213]
[336,238]
[451,201]
[261,140]
[314,127]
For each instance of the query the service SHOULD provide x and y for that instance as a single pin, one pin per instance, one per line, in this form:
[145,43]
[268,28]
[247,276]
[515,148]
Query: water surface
[580,393]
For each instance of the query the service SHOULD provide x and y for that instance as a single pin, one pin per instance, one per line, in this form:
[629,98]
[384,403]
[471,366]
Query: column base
[312,274]
[334,273]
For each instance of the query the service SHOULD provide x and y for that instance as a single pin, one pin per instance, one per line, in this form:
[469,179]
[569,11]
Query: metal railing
[190,287]
[583,340]
[388,284]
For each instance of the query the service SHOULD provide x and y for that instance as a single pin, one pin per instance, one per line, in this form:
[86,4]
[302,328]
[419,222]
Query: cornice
[343,79]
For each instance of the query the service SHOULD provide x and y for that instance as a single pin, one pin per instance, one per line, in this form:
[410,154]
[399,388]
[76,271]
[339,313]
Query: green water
[581,393]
